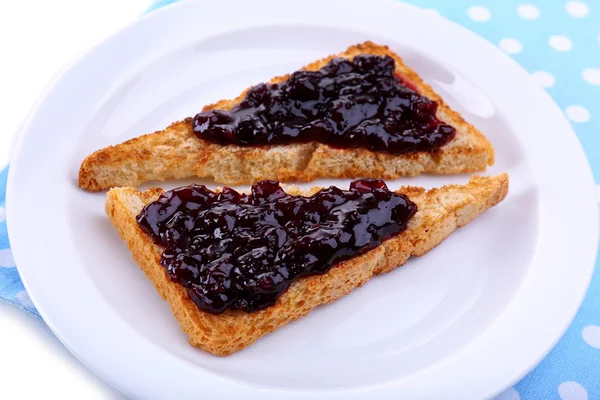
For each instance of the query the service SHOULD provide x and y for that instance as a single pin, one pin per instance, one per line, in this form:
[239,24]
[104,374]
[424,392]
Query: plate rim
[43,97]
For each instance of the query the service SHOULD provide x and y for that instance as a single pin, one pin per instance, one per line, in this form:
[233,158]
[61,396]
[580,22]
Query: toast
[176,153]
[440,212]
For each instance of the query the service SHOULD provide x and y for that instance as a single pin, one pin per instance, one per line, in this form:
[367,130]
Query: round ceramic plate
[465,321]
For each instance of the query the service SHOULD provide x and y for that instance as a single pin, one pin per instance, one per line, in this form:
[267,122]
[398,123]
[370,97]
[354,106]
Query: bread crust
[441,211]
[175,152]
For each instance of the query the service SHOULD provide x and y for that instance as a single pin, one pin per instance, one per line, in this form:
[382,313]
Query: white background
[37,38]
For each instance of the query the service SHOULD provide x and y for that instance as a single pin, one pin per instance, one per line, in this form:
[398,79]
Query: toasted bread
[440,212]
[176,152]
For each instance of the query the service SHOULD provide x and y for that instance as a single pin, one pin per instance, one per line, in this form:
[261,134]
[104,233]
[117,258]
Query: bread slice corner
[440,212]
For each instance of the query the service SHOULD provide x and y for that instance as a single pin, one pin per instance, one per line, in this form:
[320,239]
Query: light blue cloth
[11,287]
[559,43]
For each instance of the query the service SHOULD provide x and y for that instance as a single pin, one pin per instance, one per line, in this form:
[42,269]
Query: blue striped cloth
[558,42]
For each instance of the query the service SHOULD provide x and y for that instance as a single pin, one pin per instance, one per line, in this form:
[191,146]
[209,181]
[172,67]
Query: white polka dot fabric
[591,76]
[560,42]
[572,391]
[528,11]
[11,287]
[577,9]
[510,45]
[479,13]
[591,335]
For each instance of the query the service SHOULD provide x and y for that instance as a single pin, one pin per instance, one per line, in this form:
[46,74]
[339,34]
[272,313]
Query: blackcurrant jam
[358,103]
[242,251]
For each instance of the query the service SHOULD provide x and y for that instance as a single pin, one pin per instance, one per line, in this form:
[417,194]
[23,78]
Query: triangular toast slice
[176,152]
[440,212]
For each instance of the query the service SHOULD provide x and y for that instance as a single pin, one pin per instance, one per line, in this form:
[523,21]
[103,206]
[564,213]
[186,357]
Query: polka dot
[577,9]
[572,391]
[527,11]
[560,43]
[510,394]
[511,45]
[544,78]
[2,213]
[432,11]
[591,76]
[6,259]
[591,333]
[479,13]
[578,114]
[24,299]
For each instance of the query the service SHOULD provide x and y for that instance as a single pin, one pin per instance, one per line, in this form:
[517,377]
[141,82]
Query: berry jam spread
[238,251]
[346,104]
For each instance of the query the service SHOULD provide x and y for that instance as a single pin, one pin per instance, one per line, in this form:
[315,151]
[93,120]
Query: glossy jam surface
[239,251]
[346,104]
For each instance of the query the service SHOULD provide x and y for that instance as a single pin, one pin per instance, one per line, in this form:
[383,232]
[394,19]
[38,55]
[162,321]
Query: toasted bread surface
[440,212]
[176,152]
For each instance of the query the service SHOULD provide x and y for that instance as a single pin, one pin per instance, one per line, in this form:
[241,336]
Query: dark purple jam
[239,251]
[346,104]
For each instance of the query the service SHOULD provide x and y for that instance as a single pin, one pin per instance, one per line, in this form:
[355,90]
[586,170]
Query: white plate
[465,321]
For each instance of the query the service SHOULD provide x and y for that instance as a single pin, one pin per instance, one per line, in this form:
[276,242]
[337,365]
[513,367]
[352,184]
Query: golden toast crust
[176,152]
[441,211]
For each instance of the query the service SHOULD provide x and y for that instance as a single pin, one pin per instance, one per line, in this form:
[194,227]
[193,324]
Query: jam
[242,251]
[346,104]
